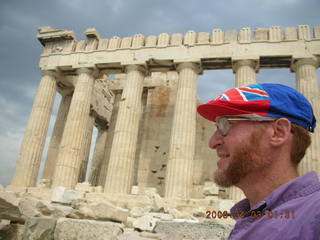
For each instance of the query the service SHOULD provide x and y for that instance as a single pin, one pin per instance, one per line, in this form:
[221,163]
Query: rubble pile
[87,213]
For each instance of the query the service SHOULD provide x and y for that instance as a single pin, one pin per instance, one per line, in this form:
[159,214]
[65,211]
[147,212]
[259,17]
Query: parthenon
[141,94]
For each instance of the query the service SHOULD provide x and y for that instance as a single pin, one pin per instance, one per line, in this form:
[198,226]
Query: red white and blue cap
[268,100]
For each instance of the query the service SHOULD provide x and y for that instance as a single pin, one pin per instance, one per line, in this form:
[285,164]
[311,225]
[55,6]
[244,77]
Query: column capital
[298,61]
[51,73]
[93,71]
[236,63]
[194,65]
[135,67]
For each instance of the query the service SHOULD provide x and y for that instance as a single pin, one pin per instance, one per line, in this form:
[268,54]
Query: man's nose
[216,140]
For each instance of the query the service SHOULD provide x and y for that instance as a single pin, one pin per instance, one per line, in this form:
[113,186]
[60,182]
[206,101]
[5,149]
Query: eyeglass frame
[223,123]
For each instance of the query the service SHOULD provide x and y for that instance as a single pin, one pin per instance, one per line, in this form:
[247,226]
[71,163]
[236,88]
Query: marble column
[53,150]
[28,163]
[98,155]
[178,183]
[122,156]
[245,71]
[86,149]
[73,138]
[307,84]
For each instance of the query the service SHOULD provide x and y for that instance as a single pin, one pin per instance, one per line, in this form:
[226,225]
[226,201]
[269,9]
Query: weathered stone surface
[210,189]
[28,207]
[150,235]
[39,193]
[104,211]
[158,203]
[139,212]
[4,223]
[39,228]
[145,223]
[53,210]
[162,216]
[200,212]
[84,187]
[179,215]
[63,195]
[71,229]
[1,188]
[206,230]
[12,232]
[9,207]
[131,234]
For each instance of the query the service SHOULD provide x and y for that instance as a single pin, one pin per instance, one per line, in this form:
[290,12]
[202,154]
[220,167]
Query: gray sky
[20,50]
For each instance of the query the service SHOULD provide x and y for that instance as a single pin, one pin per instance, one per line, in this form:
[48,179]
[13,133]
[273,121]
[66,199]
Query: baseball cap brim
[218,108]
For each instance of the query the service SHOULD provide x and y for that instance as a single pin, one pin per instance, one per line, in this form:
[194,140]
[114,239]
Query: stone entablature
[216,50]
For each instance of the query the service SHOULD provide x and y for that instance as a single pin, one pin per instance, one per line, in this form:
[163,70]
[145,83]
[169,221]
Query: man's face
[241,152]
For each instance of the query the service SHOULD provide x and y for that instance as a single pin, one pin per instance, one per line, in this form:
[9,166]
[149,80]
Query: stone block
[207,230]
[145,223]
[40,192]
[104,211]
[9,207]
[149,235]
[158,203]
[179,215]
[261,34]
[135,190]
[151,41]
[139,212]
[39,228]
[15,189]
[56,211]
[44,183]
[98,189]
[129,222]
[225,205]
[12,232]
[210,189]
[199,213]
[70,229]
[4,223]
[291,33]
[63,195]
[83,187]
[28,207]
[162,216]
[231,36]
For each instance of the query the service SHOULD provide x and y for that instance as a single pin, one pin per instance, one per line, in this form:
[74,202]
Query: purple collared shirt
[292,211]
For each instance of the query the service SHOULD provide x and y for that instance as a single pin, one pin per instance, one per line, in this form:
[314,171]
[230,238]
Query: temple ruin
[141,94]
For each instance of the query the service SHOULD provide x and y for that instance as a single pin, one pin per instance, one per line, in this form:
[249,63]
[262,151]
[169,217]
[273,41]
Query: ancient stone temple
[151,174]
[141,94]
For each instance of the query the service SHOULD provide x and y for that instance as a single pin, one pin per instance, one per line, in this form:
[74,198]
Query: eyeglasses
[224,123]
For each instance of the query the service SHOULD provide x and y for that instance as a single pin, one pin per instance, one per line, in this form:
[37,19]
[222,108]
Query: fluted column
[86,149]
[245,71]
[121,163]
[56,137]
[98,155]
[35,135]
[307,84]
[73,138]
[182,143]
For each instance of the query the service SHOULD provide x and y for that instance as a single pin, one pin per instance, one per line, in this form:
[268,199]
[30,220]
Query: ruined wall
[154,135]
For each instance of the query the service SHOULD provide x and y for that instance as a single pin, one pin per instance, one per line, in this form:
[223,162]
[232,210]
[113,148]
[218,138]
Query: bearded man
[262,135]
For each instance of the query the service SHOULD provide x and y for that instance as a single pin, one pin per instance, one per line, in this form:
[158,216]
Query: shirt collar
[298,187]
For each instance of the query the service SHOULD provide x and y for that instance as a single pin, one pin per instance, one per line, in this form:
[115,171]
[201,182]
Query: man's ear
[281,131]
